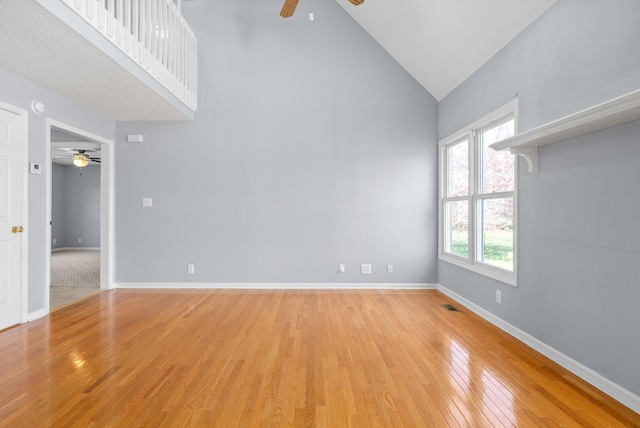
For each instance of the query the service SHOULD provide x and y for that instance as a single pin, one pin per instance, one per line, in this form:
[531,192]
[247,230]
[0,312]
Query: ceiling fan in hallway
[290,7]
[77,157]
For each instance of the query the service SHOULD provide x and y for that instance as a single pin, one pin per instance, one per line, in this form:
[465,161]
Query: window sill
[497,274]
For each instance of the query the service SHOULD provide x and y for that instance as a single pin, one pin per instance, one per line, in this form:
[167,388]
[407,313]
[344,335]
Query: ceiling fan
[79,157]
[290,7]
[82,159]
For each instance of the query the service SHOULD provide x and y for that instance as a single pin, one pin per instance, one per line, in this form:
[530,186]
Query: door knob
[17,229]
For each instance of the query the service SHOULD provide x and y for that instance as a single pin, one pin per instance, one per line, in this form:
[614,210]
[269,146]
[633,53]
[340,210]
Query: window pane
[457,228]
[498,168]
[458,169]
[495,226]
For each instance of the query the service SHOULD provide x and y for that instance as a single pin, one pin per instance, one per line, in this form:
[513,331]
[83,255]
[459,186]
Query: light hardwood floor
[130,358]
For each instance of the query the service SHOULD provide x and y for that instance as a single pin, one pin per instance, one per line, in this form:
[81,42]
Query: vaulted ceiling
[442,42]
[439,42]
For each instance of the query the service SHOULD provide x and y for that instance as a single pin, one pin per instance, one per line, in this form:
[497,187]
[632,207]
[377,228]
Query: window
[477,198]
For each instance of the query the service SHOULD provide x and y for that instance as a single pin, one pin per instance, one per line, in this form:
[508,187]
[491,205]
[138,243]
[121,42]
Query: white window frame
[470,133]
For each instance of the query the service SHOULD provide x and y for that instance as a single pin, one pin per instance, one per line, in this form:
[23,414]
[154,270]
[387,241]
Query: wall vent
[449,307]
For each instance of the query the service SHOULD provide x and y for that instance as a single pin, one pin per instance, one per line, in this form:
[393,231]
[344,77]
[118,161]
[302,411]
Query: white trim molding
[616,391]
[107,171]
[275,286]
[32,316]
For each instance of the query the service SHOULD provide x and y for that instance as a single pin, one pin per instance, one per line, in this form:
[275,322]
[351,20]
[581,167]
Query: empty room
[325,213]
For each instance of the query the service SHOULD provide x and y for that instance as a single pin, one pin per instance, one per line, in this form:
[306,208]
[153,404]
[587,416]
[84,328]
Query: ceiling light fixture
[80,160]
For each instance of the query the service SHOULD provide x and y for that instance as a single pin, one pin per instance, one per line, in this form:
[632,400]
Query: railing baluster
[91,11]
[119,23]
[161,39]
[143,33]
[127,26]
[135,29]
[100,16]
[172,51]
[111,7]
[153,34]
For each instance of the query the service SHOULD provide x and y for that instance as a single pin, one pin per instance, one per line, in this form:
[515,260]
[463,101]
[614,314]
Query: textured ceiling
[442,42]
[55,56]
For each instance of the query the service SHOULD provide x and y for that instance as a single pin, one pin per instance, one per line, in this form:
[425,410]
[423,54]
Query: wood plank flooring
[208,358]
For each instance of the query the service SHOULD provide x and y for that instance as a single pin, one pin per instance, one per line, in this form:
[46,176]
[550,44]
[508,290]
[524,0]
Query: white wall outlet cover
[365,269]
[134,138]
[341,268]
[389,268]
[147,202]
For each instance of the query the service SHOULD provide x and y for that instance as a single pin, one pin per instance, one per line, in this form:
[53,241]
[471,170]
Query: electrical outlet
[365,269]
[54,241]
[341,268]
[191,268]
[389,268]
[499,296]
[79,240]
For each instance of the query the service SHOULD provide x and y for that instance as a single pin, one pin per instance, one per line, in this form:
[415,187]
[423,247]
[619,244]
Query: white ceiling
[442,42]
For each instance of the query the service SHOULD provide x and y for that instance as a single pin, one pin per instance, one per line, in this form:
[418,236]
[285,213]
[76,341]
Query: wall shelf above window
[615,112]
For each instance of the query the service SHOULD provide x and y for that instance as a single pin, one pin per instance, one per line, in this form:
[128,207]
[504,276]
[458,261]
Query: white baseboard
[32,316]
[53,250]
[276,286]
[616,391]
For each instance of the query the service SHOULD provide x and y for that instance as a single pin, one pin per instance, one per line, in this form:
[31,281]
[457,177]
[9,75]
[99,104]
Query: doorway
[80,214]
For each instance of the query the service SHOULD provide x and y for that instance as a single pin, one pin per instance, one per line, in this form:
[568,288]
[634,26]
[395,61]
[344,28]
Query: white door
[10,219]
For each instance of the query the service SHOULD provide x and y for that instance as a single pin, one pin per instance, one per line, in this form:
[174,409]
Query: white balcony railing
[154,34]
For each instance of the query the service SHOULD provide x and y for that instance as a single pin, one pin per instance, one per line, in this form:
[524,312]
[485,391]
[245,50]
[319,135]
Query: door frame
[107,148]
[24,257]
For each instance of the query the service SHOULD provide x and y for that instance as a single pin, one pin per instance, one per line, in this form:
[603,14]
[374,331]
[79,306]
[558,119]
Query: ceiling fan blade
[288,8]
[356,2]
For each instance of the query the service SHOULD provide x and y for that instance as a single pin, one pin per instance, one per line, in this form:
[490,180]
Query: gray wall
[579,239]
[20,92]
[76,206]
[311,147]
